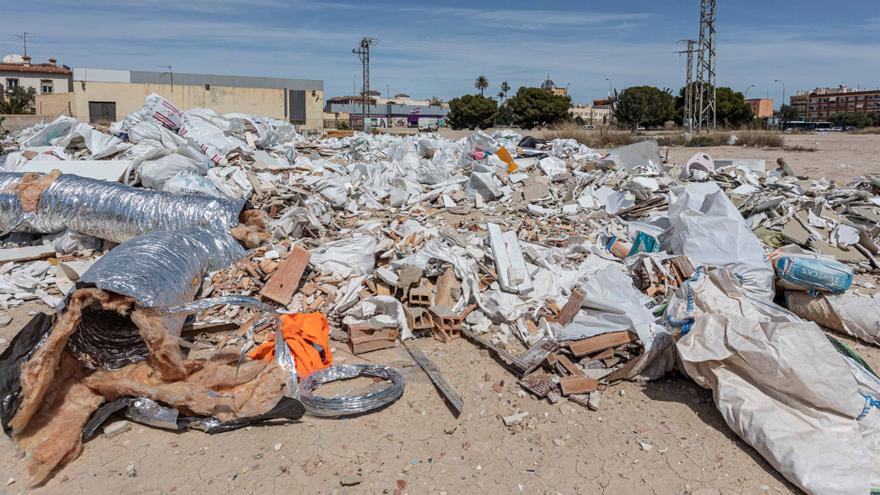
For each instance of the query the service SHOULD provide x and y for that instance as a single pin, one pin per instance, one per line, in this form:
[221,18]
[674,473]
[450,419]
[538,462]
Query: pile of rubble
[575,269]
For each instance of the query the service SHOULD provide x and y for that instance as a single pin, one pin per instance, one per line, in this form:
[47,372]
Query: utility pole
[24,37]
[689,85]
[170,75]
[783,92]
[363,52]
[706,104]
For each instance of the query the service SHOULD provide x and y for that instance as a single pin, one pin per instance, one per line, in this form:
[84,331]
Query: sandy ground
[665,437]
[837,156]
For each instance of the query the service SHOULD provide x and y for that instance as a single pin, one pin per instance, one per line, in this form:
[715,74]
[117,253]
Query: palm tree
[481,84]
[435,102]
[504,89]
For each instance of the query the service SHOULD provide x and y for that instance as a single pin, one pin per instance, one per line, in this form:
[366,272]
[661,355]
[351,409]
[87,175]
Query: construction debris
[573,269]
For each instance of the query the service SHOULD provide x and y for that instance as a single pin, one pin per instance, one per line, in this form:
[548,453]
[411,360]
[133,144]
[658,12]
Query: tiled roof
[34,68]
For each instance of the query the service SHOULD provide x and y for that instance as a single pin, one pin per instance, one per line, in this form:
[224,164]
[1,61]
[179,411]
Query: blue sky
[438,48]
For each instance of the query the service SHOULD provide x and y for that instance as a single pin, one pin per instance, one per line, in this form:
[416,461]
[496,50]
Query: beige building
[101,95]
[46,78]
[590,114]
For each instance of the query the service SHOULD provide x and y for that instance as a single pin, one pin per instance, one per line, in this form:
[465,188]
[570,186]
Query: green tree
[852,119]
[435,102]
[18,100]
[481,84]
[731,110]
[503,116]
[644,105]
[532,107]
[471,112]
[788,113]
[505,88]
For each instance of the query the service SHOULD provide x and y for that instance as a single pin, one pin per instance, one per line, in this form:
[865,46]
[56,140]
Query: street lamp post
[783,94]
[747,89]
[609,86]
[170,74]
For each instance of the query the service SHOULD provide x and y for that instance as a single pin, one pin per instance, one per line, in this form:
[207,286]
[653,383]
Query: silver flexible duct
[156,270]
[110,210]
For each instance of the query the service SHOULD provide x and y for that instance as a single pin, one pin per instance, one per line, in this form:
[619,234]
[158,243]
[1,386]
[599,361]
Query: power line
[707,105]
[689,84]
[363,52]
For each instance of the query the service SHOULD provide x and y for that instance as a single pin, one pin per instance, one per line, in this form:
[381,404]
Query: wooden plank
[569,365]
[600,342]
[606,354]
[285,280]
[452,397]
[26,253]
[623,372]
[536,355]
[506,357]
[577,385]
[571,307]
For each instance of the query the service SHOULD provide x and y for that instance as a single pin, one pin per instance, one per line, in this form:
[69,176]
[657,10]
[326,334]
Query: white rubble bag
[780,384]
[155,173]
[346,257]
[708,228]
[852,315]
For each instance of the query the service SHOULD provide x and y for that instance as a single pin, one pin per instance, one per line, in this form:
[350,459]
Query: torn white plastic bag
[709,229]
[346,257]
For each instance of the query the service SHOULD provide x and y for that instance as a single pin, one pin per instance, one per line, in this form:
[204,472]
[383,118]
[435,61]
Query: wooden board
[452,397]
[568,365]
[285,280]
[536,355]
[577,385]
[600,342]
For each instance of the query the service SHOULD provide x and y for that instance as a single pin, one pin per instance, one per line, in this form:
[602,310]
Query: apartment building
[822,103]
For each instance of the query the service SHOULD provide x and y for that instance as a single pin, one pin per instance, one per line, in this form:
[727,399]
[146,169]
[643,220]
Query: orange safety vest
[308,336]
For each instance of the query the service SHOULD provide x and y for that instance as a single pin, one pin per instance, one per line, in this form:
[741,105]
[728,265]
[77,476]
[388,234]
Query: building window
[11,83]
[46,86]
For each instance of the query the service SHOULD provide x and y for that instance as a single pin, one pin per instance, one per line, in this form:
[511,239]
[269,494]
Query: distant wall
[53,105]
[17,122]
[130,97]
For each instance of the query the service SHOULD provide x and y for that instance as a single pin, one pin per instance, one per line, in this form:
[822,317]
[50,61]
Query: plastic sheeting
[156,270]
[709,229]
[781,386]
[346,257]
[111,211]
[612,304]
[846,313]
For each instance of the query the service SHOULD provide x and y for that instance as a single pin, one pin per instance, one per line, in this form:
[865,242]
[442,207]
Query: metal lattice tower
[706,105]
[689,85]
[363,52]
